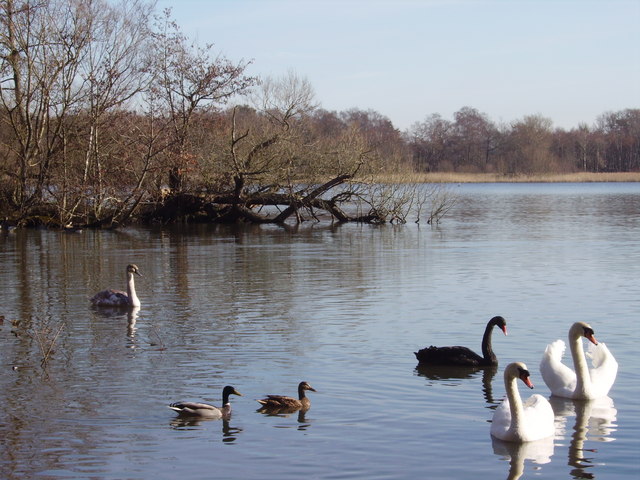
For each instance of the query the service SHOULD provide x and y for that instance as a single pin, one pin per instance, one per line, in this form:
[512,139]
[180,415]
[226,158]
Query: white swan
[584,383]
[514,421]
[116,298]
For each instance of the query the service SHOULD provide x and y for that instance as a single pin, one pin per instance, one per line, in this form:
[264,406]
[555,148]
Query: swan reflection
[538,452]
[112,312]
[131,314]
[594,420]
[446,372]
[132,318]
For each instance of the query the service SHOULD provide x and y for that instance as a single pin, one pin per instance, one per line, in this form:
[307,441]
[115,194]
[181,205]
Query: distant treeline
[473,143]
[109,113]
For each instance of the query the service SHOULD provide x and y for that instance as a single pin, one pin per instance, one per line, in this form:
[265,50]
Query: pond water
[342,307]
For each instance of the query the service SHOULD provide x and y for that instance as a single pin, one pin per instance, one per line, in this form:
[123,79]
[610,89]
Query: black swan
[462,356]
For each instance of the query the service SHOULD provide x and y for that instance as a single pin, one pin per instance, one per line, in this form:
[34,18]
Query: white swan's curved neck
[583,378]
[131,291]
[515,403]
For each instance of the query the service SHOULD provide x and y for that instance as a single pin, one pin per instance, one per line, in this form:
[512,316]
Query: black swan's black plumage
[463,356]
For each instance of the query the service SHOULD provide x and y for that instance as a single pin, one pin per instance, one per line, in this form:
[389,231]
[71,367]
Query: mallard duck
[117,298]
[288,404]
[204,410]
[583,383]
[463,356]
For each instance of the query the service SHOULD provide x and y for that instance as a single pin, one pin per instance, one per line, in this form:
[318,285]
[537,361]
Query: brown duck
[286,404]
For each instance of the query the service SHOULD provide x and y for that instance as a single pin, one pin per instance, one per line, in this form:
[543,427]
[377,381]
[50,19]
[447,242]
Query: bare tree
[114,73]
[270,151]
[621,131]
[528,146]
[66,66]
[280,166]
[188,79]
[430,143]
[42,45]
[473,140]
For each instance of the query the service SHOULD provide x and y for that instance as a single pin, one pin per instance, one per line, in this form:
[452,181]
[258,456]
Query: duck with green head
[205,410]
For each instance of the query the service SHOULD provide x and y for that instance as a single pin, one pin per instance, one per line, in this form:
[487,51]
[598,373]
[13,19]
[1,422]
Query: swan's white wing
[604,371]
[540,420]
[501,420]
[560,379]
[538,411]
[537,423]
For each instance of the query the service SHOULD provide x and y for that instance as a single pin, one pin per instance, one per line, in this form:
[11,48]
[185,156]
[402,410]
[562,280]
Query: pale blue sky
[568,60]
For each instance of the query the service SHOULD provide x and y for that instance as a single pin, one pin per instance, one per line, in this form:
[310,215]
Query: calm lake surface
[342,307]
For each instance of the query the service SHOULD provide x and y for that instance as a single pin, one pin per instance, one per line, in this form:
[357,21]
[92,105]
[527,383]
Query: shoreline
[453,177]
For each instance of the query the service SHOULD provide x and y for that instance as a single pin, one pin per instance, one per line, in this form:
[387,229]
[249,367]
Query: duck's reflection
[539,452]
[303,422]
[229,433]
[443,372]
[595,420]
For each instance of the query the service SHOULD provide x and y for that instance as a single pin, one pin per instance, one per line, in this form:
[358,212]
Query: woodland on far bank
[110,115]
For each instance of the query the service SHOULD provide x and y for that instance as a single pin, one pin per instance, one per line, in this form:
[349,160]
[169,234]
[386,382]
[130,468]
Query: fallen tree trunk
[274,207]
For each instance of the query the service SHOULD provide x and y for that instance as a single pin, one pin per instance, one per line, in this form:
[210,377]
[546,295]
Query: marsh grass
[158,343]
[46,337]
[452,177]
[43,331]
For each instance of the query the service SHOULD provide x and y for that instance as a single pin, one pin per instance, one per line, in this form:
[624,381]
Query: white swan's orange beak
[592,339]
[526,381]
